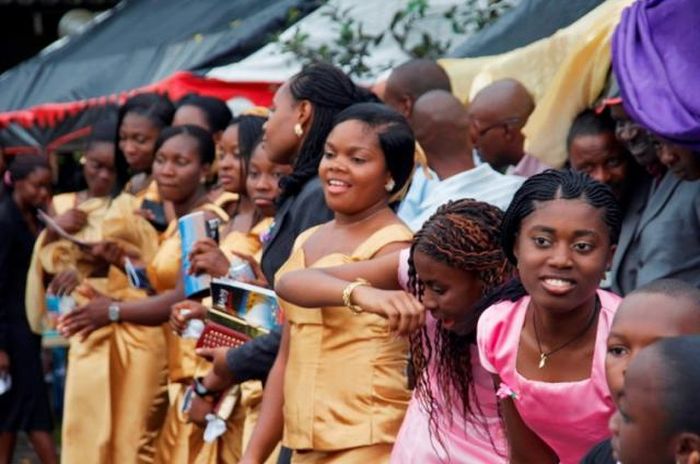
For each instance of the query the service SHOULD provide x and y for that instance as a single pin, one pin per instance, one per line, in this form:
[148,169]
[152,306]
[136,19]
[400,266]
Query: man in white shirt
[497,115]
[440,123]
[406,83]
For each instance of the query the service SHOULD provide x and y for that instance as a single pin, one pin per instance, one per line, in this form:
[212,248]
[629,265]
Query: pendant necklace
[544,356]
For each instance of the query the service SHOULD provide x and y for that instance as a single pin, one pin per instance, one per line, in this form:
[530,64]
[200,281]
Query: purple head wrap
[656,58]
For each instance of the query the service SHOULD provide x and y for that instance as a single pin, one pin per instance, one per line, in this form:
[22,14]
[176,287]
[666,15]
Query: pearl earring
[390,185]
[298,131]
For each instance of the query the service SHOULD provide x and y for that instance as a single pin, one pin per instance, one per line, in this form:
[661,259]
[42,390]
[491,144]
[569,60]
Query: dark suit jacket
[660,239]
[307,209]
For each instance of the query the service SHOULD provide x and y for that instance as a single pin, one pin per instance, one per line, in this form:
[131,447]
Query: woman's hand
[64,282]
[147,214]
[219,377]
[199,408]
[72,221]
[260,279]
[207,258]
[86,319]
[182,312]
[403,311]
[109,252]
[4,362]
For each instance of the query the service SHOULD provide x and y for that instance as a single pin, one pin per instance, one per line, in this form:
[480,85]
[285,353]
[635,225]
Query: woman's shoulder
[609,302]
[503,310]
[500,321]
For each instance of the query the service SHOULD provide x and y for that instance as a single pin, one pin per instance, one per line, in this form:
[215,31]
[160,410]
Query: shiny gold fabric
[179,440]
[375,454]
[114,374]
[345,381]
[565,72]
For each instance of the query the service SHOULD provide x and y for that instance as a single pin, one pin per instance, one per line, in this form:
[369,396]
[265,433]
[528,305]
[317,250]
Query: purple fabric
[656,59]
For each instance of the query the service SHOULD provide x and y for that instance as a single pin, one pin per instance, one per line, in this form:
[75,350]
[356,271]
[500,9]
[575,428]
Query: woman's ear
[305,110]
[688,448]
[609,259]
[204,172]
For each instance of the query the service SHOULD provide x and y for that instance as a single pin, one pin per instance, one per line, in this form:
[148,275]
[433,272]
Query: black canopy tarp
[527,22]
[142,41]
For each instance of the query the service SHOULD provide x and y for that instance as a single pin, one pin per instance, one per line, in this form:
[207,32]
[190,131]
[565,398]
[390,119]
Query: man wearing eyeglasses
[497,115]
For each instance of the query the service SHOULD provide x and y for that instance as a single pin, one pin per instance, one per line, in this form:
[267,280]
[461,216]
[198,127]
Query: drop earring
[390,185]
[298,131]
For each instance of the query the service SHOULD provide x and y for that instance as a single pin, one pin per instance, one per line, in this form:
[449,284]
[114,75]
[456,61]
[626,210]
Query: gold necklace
[544,356]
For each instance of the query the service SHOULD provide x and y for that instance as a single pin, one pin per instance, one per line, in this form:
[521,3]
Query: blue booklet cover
[255,305]
[192,228]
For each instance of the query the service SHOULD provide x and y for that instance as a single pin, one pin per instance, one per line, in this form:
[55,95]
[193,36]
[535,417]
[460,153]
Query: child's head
[263,180]
[664,308]
[456,258]
[560,231]
[658,420]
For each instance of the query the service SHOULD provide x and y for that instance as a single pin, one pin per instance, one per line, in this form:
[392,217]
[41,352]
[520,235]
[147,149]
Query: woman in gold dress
[183,157]
[338,388]
[263,188]
[103,399]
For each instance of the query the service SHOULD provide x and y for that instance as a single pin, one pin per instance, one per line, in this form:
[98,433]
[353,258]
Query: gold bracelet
[347,295]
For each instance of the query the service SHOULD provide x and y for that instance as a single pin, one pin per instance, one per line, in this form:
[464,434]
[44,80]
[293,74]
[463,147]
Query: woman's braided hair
[564,184]
[330,91]
[465,235]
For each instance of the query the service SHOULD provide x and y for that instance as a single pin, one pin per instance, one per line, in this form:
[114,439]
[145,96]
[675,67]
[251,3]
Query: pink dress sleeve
[485,338]
[403,268]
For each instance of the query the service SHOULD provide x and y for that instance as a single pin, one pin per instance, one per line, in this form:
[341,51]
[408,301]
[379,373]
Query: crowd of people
[446,295]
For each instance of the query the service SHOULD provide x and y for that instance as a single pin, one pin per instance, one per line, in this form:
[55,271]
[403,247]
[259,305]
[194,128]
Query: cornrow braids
[550,185]
[464,235]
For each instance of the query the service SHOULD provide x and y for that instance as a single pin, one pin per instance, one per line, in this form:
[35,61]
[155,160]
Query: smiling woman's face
[353,169]
[563,249]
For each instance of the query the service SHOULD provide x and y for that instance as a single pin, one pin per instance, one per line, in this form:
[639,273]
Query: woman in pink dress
[545,342]
[456,258]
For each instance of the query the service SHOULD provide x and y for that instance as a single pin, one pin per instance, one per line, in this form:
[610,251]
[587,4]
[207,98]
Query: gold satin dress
[345,384]
[181,441]
[115,373]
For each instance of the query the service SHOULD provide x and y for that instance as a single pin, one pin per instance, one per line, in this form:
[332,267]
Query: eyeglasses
[505,124]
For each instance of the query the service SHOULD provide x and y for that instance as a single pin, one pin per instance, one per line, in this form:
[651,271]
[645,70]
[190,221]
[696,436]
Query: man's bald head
[408,81]
[503,99]
[497,114]
[441,126]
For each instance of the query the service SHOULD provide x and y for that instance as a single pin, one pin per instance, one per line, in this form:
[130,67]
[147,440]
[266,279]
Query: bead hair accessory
[298,131]
[504,391]
[390,185]
[347,295]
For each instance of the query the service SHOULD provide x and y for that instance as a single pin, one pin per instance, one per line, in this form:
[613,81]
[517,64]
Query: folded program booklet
[255,306]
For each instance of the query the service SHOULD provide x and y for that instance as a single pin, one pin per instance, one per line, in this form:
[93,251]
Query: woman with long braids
[455,259]
[545,340]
